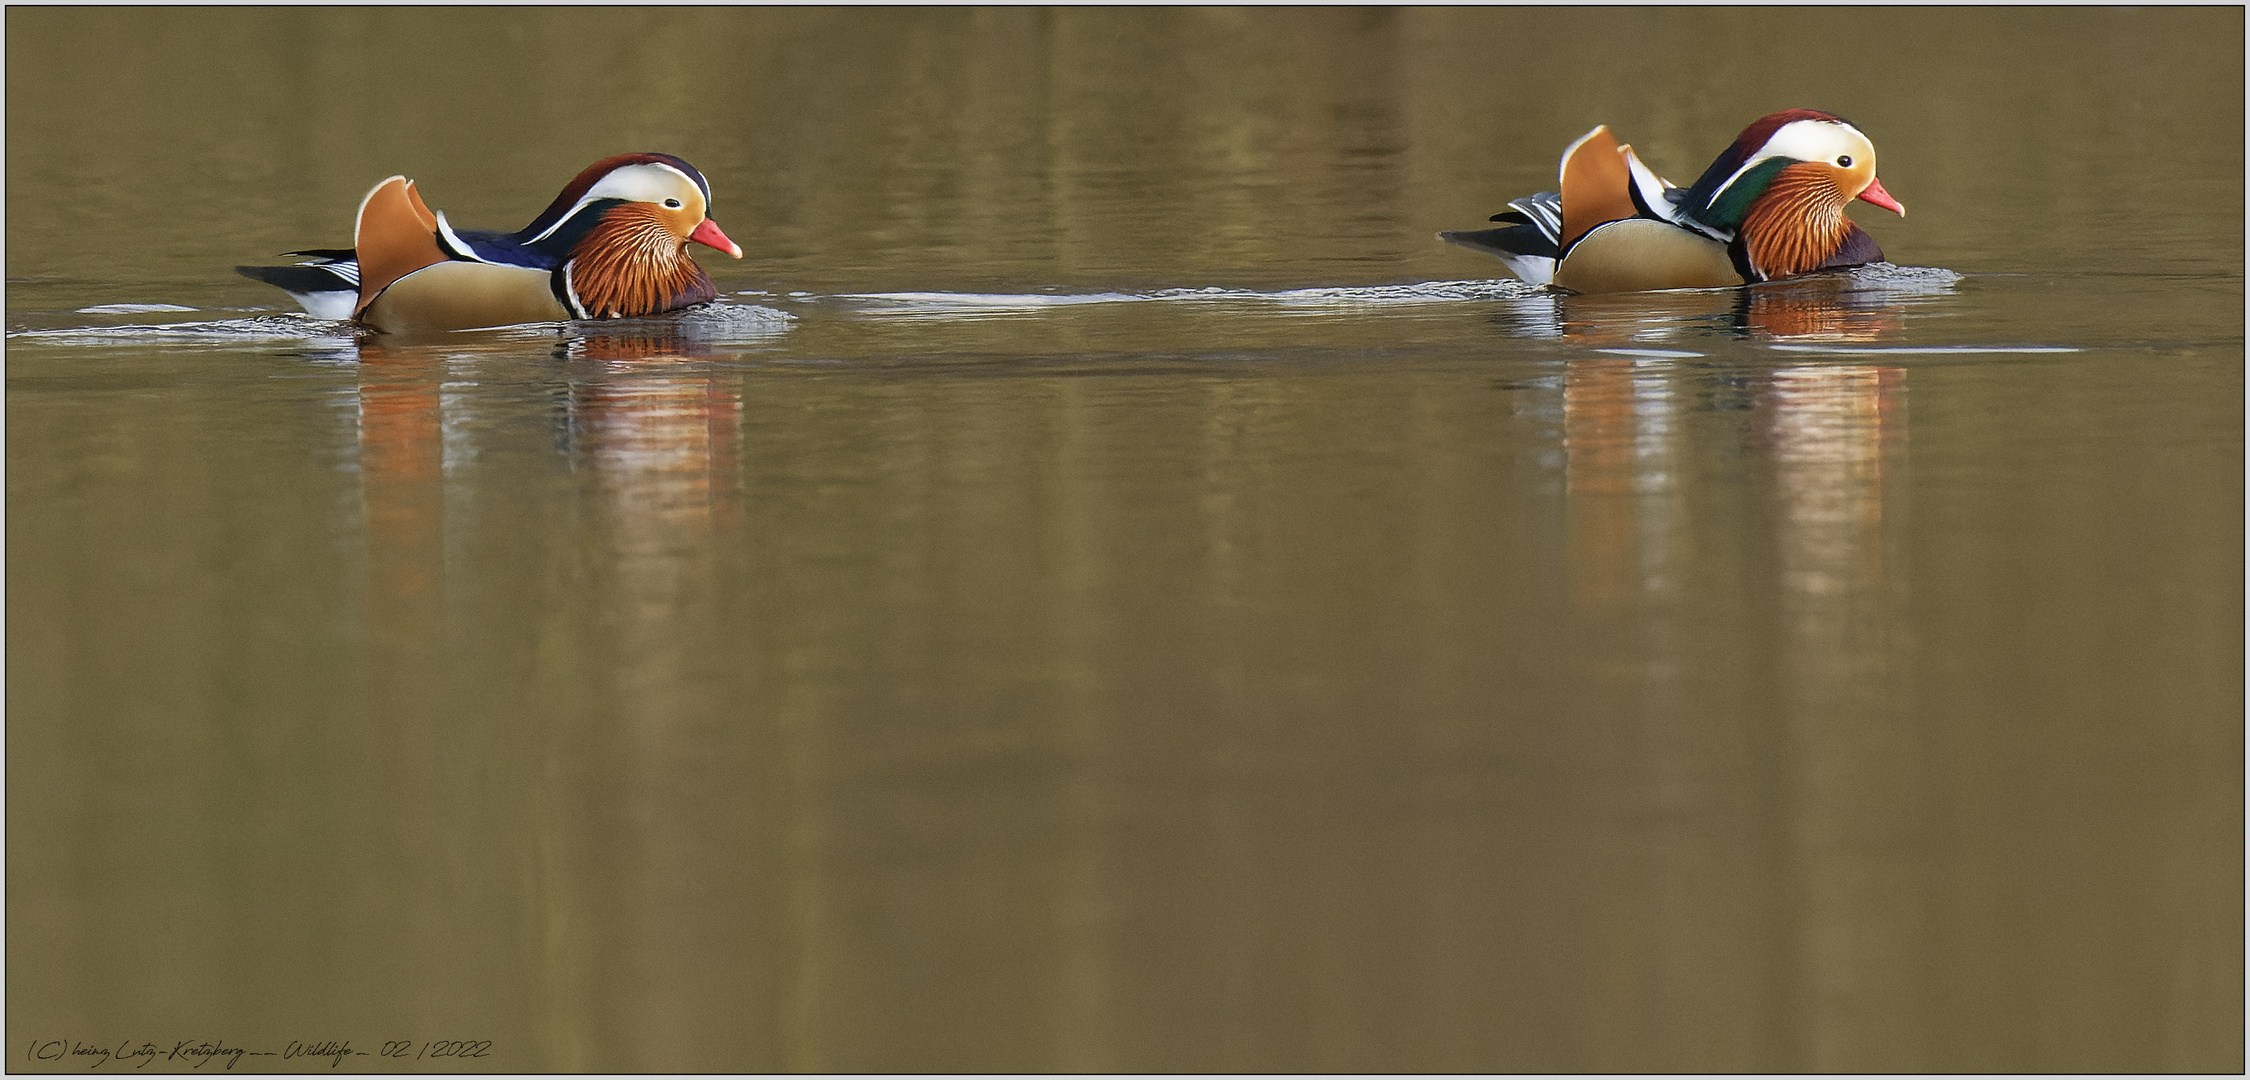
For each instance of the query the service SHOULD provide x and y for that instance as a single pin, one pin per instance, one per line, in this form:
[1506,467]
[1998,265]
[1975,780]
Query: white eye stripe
[1806,140]
[646,182]
[1811,140]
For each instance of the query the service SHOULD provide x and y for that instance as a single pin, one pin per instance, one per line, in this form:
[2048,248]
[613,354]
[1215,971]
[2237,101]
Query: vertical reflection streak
[1673,813]
[1853,761]
[1625,517]
[1085,1038]
[1848,942]
[661,447]
[1652,476]
[402,493]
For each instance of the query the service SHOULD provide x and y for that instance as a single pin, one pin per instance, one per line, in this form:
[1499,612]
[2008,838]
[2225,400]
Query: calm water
[1110,590]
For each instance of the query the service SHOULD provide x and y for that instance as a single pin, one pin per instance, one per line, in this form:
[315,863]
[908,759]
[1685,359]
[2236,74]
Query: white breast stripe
[456,245]
[577,307]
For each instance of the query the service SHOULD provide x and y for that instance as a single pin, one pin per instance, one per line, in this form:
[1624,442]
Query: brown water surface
[1108,590]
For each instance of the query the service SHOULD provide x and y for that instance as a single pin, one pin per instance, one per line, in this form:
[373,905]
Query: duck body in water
[1770,206]
[612,245]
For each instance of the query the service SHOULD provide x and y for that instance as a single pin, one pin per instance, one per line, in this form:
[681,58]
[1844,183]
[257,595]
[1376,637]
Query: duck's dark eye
[675,203]
[1845,161]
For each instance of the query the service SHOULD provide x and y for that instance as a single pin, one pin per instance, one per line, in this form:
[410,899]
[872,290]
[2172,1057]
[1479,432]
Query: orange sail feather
[396,235]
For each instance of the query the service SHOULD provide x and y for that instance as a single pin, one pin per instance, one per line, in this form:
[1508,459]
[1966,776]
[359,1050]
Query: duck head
[1781,189]
[620,232]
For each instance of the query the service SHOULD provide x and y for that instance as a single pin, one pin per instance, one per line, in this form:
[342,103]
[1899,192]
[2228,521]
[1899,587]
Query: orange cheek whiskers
[1797,224]
[631,265]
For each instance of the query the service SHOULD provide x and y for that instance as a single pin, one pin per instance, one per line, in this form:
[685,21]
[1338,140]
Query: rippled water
[1105,589]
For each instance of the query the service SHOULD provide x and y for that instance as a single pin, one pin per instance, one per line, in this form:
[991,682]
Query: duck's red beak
[1874,194]
[710,235]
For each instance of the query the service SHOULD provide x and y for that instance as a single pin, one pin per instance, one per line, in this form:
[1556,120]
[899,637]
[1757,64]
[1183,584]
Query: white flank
[1530,269]
[334,306]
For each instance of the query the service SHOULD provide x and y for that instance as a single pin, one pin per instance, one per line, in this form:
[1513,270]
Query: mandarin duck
[613,245]
[1771,206]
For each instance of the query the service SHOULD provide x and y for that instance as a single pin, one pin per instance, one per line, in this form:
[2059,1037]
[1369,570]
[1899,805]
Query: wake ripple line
[1431,292]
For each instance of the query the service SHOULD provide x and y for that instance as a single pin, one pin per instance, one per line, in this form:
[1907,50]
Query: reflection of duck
[402,474]
[612,245]
[646,341]
[1771,206]
[1847,752]
[1834,431]
[657,440]
[401,435]
[1814,453]
[655,433]
[1832,308]
[1619,424]
[1818,309]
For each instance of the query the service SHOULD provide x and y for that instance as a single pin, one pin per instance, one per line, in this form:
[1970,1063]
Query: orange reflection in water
[1832,430]
[1818,308]
[402,465]
[1821,308]
[402,498]
[663,440]
[664,449]
[1617,427]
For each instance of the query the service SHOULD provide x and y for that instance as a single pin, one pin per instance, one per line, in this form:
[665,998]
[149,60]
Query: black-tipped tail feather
[1534,230]
[1511,242]
[300,279]
[1531,242]
[327,286]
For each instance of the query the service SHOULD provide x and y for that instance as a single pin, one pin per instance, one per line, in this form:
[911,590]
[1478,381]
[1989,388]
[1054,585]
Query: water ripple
[129,309]
[257,328]
[1882,280]
[1921,350]
[721,323]
[972,305]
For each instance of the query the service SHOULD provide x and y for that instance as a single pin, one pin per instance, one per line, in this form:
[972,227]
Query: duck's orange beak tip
[710,235]
[1875,194]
